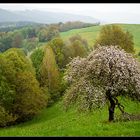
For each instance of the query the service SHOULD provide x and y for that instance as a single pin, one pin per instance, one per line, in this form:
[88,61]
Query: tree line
[29,37]
[29,84]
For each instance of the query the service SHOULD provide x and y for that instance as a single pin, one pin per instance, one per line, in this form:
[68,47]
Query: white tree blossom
[106,72]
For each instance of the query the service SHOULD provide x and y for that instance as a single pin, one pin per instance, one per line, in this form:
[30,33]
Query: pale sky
[123,12]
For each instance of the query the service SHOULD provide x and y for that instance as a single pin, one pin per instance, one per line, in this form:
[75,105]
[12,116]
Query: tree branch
[121,107]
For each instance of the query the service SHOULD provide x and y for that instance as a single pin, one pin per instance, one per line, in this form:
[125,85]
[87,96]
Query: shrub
[6,118]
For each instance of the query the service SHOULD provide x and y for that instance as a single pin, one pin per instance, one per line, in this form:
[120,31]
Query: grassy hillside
[91,33]
[54,121]
[88,33]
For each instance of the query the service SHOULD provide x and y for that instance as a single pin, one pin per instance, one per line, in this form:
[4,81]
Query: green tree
[29,44]
[50,76]
[64,51]
[114,35]
[6,42]
[52,32]
[17,40]
[29,99]
[37,58]
[68,54]
[7,92]
[20,93]
[42,35]
[79,38]
[78,48]
[57,45]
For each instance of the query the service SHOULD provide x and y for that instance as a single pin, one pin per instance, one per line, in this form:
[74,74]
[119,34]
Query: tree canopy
[21,96]
[105,74]
[115,35]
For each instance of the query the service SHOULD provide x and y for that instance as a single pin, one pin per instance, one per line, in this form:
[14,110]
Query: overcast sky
[122,13]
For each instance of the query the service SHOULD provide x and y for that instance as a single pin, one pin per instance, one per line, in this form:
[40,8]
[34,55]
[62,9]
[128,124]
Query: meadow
[91,33]
[54,121]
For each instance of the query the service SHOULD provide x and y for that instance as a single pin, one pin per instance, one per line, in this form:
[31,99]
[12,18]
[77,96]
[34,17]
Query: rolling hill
[42,16]
[91,33]
[54,121]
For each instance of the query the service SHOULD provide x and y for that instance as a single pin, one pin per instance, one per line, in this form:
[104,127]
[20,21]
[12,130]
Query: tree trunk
[111,106]
[111,110]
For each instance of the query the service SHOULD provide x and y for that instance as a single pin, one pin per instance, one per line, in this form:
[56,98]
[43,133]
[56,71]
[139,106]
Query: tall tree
[50,75]
[20,93]
[58,45]
[37,58]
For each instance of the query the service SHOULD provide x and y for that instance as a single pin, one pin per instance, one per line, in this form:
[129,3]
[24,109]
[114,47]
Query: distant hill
[16,24]
[42,16]
[12,25]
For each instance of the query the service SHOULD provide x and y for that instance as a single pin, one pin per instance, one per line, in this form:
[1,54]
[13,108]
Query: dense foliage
[37,58]
[50,62]
[79,46]
[114,35]
[27,38]
[21,97]
[49,74]
[47,33]
[58,45]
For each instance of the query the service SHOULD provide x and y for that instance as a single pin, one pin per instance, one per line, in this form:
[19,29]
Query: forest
[69,78]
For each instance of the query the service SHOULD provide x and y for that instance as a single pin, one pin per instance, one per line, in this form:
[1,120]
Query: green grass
[88,33]
[54,121]
[91,33]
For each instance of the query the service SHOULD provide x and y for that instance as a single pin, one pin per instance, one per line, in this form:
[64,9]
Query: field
[91,33]
[54,121]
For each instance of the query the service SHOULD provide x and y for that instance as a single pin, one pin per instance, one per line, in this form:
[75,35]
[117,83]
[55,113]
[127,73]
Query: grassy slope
[54,121]
[91,33]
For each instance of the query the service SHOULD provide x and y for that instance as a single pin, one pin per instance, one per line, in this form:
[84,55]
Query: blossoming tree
[105,74]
